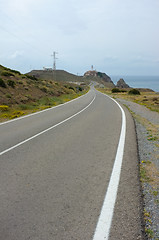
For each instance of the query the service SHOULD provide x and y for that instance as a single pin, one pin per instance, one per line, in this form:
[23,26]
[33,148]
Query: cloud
[144,59]
[111,58]
[16,54]
[110,34]
[20,6]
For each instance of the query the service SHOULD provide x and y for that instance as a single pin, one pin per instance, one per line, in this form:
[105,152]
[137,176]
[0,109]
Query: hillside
[58,75]
[64,76]
[24,92]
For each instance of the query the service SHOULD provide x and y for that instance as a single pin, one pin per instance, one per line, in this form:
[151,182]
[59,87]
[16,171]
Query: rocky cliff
[122,84]
[99,77]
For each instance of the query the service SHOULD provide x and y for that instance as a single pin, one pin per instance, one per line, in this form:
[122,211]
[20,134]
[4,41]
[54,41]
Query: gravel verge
[147,129]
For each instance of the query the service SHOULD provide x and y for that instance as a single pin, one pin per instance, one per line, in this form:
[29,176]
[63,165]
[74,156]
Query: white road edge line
[105,219]
[48,109]
[46,130]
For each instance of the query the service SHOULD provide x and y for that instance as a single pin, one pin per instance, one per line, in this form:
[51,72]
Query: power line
[16,25]
[21,40]
[54,64]
[54,60]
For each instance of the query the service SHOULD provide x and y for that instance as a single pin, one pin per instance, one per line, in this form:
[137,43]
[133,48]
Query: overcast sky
[115,36]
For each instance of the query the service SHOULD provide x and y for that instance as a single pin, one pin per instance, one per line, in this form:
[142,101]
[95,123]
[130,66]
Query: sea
[151,82]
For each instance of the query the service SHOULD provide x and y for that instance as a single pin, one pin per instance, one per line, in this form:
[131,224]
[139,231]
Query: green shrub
[8,95]
[10,70]
[155,99]
[7,74]
[20,82]
[71,88]
[11,83]
[80,89]
[134,92]
[116,90]
[15,71]
[44,89]
[31,77]
[2,83]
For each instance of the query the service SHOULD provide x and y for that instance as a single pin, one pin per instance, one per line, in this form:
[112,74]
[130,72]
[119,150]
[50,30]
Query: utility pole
[54,64]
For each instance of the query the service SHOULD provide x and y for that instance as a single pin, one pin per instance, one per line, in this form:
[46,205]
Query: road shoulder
[127,221]
[147,128]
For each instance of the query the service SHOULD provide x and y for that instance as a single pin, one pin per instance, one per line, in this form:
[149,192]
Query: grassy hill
[64,76]
[58,75]
[22,93]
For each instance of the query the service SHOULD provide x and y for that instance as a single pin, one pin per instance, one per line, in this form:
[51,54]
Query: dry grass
[147,99]
[12,112]
[152,129]
[153,175]
[22,94]
[149,173]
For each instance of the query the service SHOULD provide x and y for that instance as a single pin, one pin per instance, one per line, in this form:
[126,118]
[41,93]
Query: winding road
[71,172]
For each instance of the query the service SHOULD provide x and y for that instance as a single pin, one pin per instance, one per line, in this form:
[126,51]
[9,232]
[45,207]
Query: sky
[115,36]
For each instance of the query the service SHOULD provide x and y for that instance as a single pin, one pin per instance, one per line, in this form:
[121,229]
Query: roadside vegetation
[22,94]
[149,155]
[148,99]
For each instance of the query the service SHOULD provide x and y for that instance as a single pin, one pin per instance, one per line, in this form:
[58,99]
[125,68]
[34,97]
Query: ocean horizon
[151,82]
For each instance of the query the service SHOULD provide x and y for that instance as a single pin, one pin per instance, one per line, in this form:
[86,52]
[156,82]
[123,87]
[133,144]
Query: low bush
[116,90]
[71,88]
[134,92]
[8,95]
[44,89]
[11,83]
[123,91]
[10,70]
[15,71]
[20,82]
[155,99]
[79,89]
[7,74]
[2,83]
[31,77]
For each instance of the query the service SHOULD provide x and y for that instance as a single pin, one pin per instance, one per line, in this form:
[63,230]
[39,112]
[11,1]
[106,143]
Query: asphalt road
[55,168]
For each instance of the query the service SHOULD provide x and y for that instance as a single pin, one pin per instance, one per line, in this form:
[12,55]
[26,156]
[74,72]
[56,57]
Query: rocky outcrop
[122,84]
[90,74]
[100,77]
[105,77]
